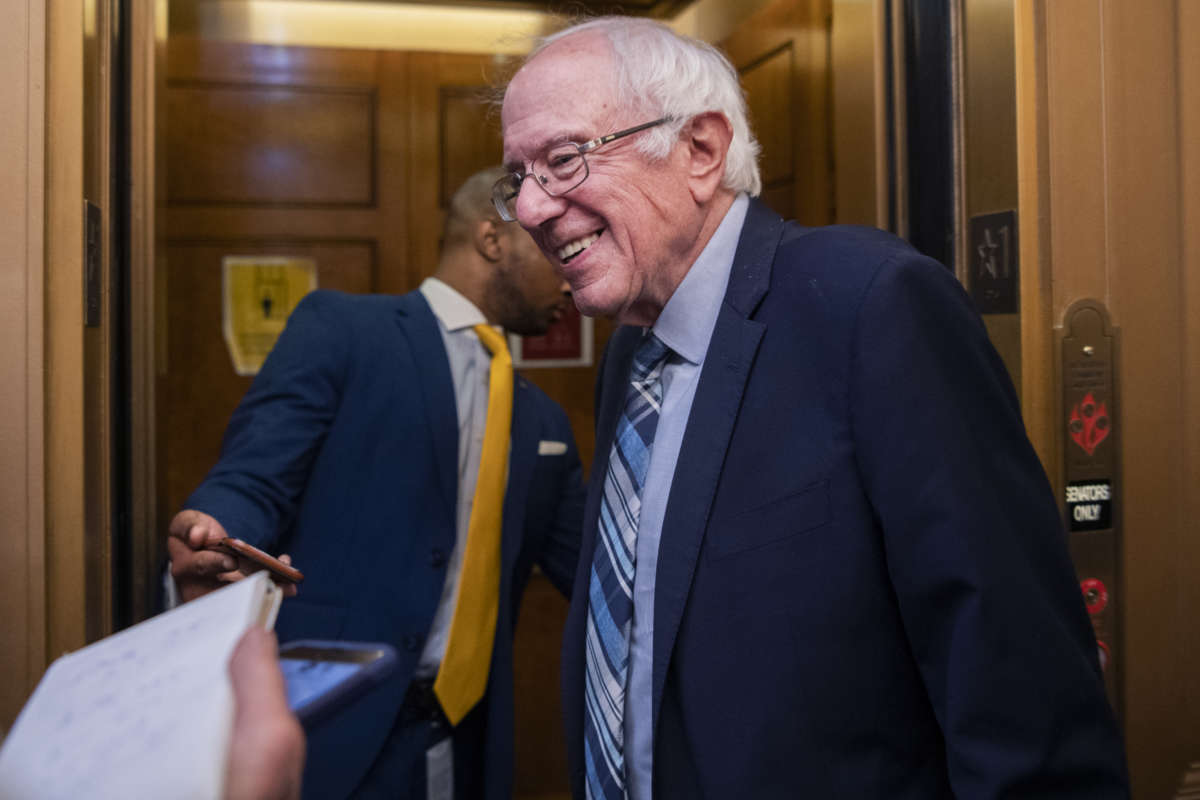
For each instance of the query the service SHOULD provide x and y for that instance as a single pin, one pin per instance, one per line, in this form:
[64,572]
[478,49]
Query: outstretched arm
[272,439]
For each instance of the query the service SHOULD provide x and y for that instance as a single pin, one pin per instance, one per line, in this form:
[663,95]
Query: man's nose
[535,205]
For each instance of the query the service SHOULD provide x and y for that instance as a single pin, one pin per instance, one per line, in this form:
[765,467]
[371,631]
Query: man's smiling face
[624,237]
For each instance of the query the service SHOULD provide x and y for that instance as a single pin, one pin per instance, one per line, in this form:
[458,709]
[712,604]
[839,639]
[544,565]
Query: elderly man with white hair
[820,557]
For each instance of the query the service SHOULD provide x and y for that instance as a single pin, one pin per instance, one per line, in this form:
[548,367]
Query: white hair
[665,74]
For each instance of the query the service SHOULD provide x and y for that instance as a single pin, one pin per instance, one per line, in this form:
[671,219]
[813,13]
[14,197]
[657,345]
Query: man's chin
[594,304]
[532,327]
[528,330]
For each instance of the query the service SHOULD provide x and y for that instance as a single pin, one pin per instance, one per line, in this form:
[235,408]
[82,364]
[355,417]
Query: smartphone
[281,571]
[325,676]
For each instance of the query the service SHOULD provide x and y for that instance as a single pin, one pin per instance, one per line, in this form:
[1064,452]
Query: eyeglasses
[559,169]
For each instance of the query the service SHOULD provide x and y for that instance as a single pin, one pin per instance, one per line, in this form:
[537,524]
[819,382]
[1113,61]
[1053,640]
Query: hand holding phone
[280,572]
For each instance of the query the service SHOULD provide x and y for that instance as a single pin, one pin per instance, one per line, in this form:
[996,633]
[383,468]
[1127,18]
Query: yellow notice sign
[259,294]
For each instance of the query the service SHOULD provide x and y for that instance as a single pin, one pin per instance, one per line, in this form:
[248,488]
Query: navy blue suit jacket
[863,586]
[343,453]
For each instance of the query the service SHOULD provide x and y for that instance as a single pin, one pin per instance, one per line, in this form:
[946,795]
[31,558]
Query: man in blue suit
[356,450]
[820,557]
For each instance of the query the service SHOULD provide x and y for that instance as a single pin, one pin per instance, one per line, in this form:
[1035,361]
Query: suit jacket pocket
[774,521]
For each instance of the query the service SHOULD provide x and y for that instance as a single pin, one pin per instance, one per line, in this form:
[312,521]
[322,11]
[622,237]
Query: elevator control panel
[1089,437]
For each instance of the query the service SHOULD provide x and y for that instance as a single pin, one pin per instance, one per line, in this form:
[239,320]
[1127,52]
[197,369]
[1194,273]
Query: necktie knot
[649,357]
[492,340]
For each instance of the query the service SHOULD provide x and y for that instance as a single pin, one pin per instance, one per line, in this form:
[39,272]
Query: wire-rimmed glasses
[559,169]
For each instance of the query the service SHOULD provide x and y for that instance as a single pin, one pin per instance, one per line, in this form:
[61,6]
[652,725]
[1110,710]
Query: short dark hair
[471,204]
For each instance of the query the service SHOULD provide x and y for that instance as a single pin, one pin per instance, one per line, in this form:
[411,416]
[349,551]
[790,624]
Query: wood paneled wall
[782,54]
[55,405]
[347,156]
[71,573]
[22,432]
[1109,160]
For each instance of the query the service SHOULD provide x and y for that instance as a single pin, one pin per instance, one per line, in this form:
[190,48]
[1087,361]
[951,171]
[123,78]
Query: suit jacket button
[411,642]
[437,557]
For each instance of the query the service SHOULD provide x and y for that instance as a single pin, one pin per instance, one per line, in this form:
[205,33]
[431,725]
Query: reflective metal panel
[859,113]
[988,168]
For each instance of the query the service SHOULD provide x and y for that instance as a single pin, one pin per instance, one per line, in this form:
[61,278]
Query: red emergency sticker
[1095,595]
[1088,423]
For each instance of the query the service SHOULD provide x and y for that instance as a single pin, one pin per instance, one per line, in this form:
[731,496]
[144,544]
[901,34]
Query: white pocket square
[547,447]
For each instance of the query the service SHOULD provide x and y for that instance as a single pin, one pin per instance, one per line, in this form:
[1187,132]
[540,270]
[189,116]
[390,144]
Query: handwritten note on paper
[143,713]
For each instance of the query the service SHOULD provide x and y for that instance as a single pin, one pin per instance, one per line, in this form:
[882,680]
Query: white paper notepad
[144,713]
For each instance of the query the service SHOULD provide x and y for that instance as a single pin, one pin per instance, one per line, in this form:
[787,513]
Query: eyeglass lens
[560,169]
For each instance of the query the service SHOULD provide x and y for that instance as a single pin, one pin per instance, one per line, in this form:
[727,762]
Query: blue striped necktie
[610,590]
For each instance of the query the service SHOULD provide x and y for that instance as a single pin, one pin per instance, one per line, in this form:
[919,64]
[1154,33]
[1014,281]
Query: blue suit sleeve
[279,426]
[975,547]
[560,550]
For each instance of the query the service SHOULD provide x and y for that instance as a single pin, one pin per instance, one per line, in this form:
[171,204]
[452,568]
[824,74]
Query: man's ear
[487,239]
[707,137]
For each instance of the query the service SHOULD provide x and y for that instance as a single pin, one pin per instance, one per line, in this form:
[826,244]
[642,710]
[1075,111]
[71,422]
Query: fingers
[189,563]
[197,571]
[266,753]
[258,686]
[196,529]
[289,589]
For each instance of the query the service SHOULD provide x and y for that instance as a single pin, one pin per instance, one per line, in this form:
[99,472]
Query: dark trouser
[399,771]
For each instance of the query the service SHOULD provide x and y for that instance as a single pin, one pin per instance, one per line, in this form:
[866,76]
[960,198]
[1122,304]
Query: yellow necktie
[462,677]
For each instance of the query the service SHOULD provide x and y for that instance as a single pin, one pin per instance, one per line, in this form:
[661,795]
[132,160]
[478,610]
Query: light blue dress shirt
[685,325]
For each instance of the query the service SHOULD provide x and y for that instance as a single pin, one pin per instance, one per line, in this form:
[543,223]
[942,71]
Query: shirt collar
[686,323]
[452,309]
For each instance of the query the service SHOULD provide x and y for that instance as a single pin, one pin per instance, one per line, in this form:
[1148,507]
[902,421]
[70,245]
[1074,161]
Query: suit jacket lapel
[614,372]
[419,329]
[723,378]
[522,453]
